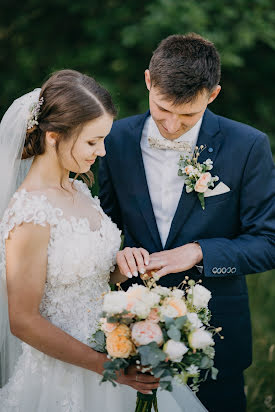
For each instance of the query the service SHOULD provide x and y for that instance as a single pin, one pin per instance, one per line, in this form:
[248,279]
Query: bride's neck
[46,172]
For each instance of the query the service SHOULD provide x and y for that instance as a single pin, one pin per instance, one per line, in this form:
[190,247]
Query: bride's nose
[100,150]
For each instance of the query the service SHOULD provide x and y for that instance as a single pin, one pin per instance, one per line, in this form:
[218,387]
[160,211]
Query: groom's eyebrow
[187,114]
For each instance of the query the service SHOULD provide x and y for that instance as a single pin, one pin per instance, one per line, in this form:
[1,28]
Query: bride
[57,249]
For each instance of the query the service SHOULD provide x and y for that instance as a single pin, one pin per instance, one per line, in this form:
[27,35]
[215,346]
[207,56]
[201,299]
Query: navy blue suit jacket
[236,230]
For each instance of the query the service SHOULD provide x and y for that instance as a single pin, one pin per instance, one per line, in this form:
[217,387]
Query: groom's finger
[155,264]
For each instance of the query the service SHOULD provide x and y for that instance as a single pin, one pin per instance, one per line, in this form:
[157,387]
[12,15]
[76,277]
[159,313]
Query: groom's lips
[90,161]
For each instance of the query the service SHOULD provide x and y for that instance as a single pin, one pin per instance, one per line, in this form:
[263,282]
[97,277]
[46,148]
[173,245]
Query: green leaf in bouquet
[166,384]
[214,373]
[98,341]
[180,322]
[206,363]
[112,319]
[162,370]
[174,333]
[151,354]
[169,321]
[116,364]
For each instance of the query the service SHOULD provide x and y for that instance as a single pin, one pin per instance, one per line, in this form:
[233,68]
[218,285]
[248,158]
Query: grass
[260,377]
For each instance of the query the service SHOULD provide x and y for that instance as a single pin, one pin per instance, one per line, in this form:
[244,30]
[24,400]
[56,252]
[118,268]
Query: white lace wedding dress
[81,252]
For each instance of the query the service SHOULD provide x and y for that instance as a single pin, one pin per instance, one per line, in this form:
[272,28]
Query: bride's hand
[130,261]
[139,381]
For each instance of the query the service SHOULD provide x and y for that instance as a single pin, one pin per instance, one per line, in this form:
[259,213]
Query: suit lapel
[210,136]
[139,181]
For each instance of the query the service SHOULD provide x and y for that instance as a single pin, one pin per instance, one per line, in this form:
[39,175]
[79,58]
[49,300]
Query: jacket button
[214,270]
[223,271]
[219,271]
[234,270]
[228,270]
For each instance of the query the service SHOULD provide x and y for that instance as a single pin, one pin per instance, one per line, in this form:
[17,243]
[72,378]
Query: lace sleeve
[29,208]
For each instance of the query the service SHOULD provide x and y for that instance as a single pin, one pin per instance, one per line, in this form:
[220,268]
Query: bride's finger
[139,260]
[131,262]
[123,265]
[146,255]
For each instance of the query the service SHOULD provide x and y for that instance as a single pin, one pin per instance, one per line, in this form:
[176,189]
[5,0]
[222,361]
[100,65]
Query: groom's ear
[147,79]
[214,93]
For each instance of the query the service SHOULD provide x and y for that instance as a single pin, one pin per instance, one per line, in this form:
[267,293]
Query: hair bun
[34,144]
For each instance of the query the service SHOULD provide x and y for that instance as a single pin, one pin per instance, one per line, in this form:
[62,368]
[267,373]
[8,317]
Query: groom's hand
[175,260]
[141,382]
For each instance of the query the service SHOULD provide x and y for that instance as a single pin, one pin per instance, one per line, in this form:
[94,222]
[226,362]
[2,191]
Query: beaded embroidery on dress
[81,253]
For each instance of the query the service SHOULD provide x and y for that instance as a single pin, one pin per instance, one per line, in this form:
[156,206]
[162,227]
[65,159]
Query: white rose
[200,339]
[194,320]
[175,350]
[140,300]
[114,302]
[161,290]
[201,296]
[177,293]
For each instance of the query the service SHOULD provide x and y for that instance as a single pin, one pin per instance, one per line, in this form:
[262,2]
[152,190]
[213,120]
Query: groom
[141,191]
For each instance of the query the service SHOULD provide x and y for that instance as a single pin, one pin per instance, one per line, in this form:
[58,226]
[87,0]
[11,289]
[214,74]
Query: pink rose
[202,184]
[145,332]
[154,316]
[107,327]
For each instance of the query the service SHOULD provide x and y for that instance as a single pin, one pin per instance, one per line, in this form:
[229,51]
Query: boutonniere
[197,176]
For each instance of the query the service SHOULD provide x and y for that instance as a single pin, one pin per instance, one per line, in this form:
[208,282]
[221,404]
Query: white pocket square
[218,190]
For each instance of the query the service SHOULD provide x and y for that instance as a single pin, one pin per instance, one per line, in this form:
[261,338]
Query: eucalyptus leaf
[174,333]
[214,373]
[180,322]
[206,363]
[169,321]
[151,354]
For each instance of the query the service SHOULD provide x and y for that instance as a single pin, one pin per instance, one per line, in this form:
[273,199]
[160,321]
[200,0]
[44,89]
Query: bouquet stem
[146,402]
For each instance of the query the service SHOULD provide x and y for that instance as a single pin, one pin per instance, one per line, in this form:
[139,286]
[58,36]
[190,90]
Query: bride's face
[78,155]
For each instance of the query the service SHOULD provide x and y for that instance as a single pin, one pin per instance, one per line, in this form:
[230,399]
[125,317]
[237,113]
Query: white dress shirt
[161,169]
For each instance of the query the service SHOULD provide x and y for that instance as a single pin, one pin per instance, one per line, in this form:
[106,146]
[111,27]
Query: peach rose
[202,184]
[145,332]
[118,343]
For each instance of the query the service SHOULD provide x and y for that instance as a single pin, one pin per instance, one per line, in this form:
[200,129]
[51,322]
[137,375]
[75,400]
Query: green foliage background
[113,41]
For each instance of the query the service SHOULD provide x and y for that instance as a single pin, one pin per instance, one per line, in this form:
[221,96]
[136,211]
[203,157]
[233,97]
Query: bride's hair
[70,99]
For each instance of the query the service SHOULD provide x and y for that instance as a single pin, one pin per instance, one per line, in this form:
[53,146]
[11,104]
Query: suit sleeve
[253,250]
[107,194]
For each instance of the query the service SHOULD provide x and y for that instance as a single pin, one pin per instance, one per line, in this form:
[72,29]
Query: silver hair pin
[34,113]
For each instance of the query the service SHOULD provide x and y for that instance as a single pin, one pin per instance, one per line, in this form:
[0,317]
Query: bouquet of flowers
[163,331]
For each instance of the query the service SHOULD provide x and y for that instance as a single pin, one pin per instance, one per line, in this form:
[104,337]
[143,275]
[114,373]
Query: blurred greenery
[113,41]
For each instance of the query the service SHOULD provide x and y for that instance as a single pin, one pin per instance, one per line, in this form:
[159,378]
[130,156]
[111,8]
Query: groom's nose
[173,124]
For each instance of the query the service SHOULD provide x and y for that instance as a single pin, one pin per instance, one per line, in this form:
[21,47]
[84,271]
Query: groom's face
[175,120]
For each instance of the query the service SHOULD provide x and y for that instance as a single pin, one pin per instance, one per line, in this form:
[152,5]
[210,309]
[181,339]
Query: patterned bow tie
[166,144]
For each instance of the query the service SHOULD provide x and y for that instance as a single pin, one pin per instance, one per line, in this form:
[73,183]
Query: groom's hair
[183,66]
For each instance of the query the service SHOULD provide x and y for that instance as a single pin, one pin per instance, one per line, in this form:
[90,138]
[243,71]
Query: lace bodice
[81,254]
